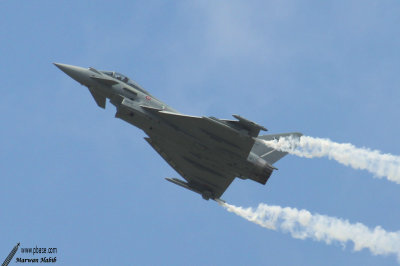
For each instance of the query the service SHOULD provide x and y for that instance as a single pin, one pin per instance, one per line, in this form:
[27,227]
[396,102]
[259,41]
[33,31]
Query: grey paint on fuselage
[207,152]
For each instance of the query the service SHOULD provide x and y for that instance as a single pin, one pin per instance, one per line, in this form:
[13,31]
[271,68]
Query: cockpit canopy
[126,80]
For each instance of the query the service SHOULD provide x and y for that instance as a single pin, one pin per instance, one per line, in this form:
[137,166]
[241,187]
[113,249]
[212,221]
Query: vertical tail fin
[269,154]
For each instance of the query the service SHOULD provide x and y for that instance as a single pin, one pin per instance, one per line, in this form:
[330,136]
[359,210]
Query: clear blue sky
[75,178]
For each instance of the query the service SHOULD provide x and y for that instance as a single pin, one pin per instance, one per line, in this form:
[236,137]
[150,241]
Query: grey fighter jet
[206,151]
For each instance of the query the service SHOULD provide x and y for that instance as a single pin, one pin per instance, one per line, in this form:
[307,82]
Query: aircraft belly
[207,155]
[203,133]
[210,132]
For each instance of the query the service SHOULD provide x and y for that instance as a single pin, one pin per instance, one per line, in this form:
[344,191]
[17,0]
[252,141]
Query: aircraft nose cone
[63,67]
[77,73]
[69,69]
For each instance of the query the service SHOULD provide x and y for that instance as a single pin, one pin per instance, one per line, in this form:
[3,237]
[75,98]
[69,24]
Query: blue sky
[75,178]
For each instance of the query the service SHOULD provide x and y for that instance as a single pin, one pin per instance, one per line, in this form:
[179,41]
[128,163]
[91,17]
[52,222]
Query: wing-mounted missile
[252,128]
[206,194]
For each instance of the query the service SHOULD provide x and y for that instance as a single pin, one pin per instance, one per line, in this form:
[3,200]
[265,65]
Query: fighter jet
[209,153]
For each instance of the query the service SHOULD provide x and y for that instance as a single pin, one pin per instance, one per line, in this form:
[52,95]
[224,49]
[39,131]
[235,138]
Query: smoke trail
[381,165]
[302,224]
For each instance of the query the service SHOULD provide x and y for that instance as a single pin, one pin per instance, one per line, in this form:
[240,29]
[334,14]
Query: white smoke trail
[381,165]
[302,224]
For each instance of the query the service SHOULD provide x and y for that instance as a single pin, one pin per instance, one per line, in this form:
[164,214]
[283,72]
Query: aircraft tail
[269,154]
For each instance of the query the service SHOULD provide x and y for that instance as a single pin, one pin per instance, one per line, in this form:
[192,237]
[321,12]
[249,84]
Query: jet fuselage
[206,151]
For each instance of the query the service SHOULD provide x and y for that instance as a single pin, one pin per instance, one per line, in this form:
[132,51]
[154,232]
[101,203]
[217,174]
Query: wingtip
[220,201]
